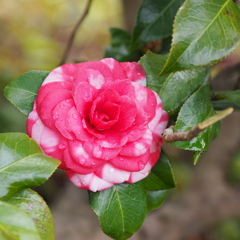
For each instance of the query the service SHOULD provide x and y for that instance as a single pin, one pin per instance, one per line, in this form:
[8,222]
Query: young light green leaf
[15,224]
[23,91]
[196,157]
[22,164]
[161,176]
[196,109]
[30,202]
[155,199]
[204,33]
[154,21]
[225,99]
[121,209]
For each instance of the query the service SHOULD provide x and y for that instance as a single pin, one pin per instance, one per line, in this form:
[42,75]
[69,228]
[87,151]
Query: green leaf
[183,85]
[161,176]
[196,157]
[30,202]
[120,41]
[121,209]
[155,199]
[225,99]
[15,224]
[196,109]
[204,32]
[154,21]
[23,91]
[151,62]
[22,164]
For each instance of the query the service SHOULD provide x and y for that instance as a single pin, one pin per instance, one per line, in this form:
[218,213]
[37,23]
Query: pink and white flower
[100,121]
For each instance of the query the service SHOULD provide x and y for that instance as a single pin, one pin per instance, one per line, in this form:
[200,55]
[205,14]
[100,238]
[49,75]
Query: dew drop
[121,159]
[55,116]
[61,146]
[141,165]
[74,115]
[111,170]
[62,105]
[94,164]
[84,183]
[82,161]
[141,127]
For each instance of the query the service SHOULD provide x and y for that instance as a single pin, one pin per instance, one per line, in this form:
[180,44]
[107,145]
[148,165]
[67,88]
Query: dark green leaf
[22,164]
[226,99]
[15,224]
[196,109]
[121,209]
[161,176]
[155,199]
[151,63]
[120,41]
[204,32]
[23,91]
[178,87]
[174,88]
[154,21]
[30,202]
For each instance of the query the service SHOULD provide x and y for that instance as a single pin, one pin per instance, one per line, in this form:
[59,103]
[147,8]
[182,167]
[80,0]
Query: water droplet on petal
[121,159]
[55,116]
[61,146]
[111,170]
[93,164]
[84,183]
[141,127]
[62,105]
[74,115]
[141,165]
[82,161]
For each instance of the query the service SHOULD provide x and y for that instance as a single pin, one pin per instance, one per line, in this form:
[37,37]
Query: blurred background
[206,203]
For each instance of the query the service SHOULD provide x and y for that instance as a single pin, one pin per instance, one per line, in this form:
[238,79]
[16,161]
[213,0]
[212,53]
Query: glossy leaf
[120,42]
[121,209]
[15,224]
[22,164]
[154,21]
[30,202]
[195,110]
[196,156]
[225,99]
[161,176]
[151,62]
[155,199]
[178,87]
[204,32]
[23,91]
[175,88]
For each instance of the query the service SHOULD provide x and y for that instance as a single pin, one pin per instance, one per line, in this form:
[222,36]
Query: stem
[170,136]
[72,35]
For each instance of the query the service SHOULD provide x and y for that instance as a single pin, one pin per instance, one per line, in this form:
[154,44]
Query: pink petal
[46,106]
[63,73]
[60,114]
[89,181]
[100,152]
[116,68]
[111,174]
[135,72]
[138,147]
[131,164]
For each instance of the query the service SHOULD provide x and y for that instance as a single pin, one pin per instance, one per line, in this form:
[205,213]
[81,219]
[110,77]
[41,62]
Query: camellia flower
[100,121]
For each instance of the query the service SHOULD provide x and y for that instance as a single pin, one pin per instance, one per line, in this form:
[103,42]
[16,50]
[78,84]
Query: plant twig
[170,136]
[71,38]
